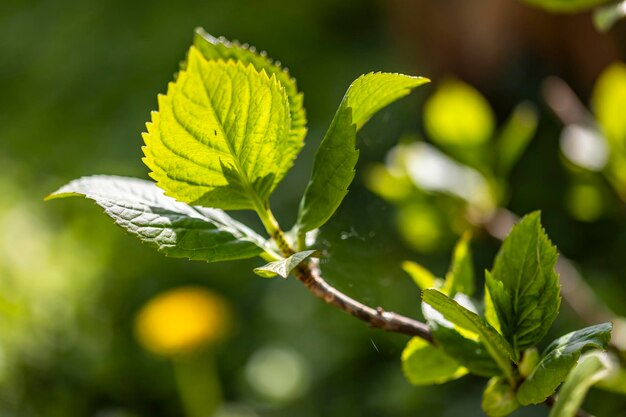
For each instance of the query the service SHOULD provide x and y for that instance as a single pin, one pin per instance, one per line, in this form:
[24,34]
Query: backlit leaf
[336,157]
[219,48]
[425,364]
[221,137]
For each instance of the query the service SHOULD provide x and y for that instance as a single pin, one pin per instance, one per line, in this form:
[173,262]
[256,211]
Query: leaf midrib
[255,199]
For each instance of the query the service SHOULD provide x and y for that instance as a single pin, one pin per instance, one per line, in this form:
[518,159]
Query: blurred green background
[78,80]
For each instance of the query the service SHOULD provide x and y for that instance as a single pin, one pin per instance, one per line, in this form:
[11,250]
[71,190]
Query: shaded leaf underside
[174,228]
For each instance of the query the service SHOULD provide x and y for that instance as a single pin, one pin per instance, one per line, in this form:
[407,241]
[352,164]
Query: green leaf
[496,346]
[557,361]
[221,137]
[591,369]
[490,310]
[606,16]
[609,101]
[470,353]
[174,228]
[499,398]
[514,137]
[219,48]
[523,285]
[530,359]
[458,115]
[460,277]
[424,364]
[566,6]
[422,277]
[335,159]
[283,267]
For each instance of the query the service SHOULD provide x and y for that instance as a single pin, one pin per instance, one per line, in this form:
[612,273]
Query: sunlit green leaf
[499,398]
[221,137]
[591,369]
[457,114]
[496,345]
[219,48]
[514,137]
[387,185]
[422,277]
[424,364]
[460,276]
[567,6]
[557,361]
[470,353]
[523,285]
[174,228]
[606,16]
[530,359]
[490,310]
[283,267]
[336,157]
[609,101]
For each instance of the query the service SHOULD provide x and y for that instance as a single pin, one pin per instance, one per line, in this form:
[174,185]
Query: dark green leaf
[174,228]
[523,285]
[557,361]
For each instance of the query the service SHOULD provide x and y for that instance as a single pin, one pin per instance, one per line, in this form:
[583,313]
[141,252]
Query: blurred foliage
[78,81]
[441,192]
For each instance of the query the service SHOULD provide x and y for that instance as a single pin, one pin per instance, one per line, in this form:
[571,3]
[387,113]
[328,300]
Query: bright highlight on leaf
[567,6]
[609,99]
[174,228]
[424,364]
[219,48]
[335,160]
[495,344]
[221,137]
[283,267]
[458,115]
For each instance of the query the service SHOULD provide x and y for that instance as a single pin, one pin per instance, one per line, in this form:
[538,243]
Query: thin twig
[376,317]
[309,274]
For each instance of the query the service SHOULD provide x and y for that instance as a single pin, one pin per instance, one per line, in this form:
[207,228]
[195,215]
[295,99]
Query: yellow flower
[182,320]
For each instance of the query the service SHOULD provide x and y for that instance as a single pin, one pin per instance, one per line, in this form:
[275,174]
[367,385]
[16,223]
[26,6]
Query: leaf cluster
[226,133]
[521,302]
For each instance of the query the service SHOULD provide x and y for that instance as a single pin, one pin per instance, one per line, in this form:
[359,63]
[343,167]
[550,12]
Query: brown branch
[309,274]
[376,317]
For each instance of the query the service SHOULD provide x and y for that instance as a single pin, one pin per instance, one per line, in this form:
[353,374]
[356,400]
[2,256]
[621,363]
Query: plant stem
[389,321]
[309,274]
